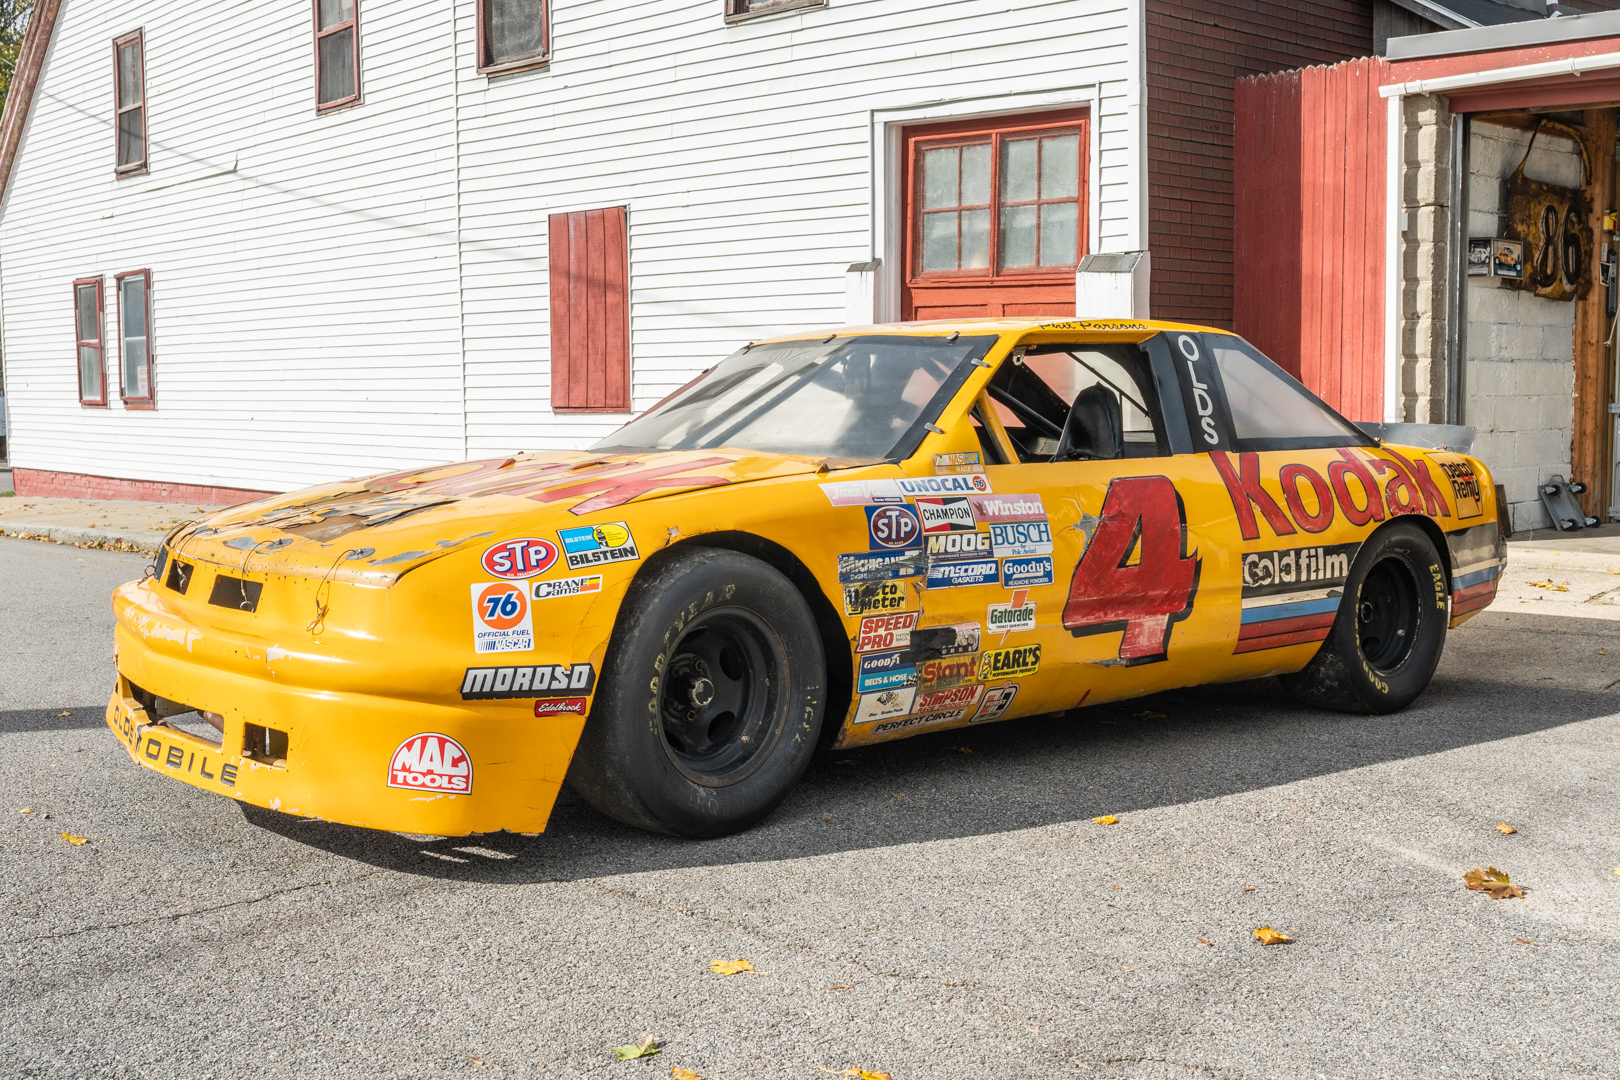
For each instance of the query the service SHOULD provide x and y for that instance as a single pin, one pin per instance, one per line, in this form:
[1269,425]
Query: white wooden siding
[336,295]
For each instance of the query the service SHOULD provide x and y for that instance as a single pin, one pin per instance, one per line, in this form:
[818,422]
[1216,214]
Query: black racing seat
[1094,430]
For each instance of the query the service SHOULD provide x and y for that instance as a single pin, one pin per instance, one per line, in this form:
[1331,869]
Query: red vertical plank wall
[590,311]
[1308,158]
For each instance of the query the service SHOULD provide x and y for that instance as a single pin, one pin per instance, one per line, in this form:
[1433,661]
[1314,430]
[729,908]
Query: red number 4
[1143,598]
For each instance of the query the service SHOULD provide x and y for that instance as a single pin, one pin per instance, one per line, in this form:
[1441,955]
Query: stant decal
[1021,573]
[880,632]
[1019,614]
[574,706]
[596,545]
[1007,507]
[952,671]
[1018,661]
[522,558]
[502,619]
[530,681]
[886,671]
[552,588]
[996,701]
[879,565]
[946,515]
[920,720]
[951,575]
[862,492]
[959,545]
[876,596]
[955,697]
[890,527]
[883,705]
[970,484]
[431,762]
[965,461]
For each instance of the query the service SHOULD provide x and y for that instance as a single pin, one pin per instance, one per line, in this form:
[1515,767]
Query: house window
[511,34]
[996,216]
[739,10]
[337,53]
[87,329]
[129,101]
[590,311]
[135,336]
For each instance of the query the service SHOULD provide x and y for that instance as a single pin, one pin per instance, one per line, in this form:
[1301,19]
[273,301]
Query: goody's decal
[890,527]
[528,681]
[596,545]
[1016,662]
[879,632]
[552,588]
[951,575]
[431,762]
[996,701]
[1007,507]
[879,565]
[862,492]
[884,704]
[876,596]
[886,671]
[946,514]
[523,558]
[965,545]
[964,461]
[969,484]
[1022,573]
[1019,538]
[920,720]
[955,697]
[502,619]
[1018,614]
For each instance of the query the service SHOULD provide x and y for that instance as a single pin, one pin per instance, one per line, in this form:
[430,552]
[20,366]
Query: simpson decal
[972,484]
[946,716]
[879,632]
[967,461]
[573,706]
[946,515]
[597,545]
[961,545]
[879,565]
[501,618]
[952,575]
[996,701]
[956,697]
[862,492]
[1022,573]
[951,671]
[890,527]
[1019,614]
[886,671]
[431,762]
[1014,539]
[568,586]
[1007,507]
[883,705]
[529,681]
[1016,662]
[884,596]
[516,559]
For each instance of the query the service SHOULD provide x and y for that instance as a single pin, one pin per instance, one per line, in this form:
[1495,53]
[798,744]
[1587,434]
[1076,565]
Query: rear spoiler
[1453,437]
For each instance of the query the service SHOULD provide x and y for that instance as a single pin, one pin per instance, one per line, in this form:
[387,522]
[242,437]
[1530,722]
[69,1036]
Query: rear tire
[1390,630]
[711,698]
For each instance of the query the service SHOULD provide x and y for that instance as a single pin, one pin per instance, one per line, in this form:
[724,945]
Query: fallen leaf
[1493,881]
[1267,936]
[64,713]
[1526,941]
[626,1053]
[1119,886]
[76,841]
[1206,941]
[1617,871]
[684,1074]
[730,967]
[829,821]
[233,863]
[842,986]
[1505,829]
[1549,584]
[1125,968]
[1249,888]
[475,1061]
[1106,819]
[962,749]
[26,810]
[1150,716]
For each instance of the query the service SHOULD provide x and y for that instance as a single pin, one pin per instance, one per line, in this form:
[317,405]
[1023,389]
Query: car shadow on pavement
[1168,749]
[56,718]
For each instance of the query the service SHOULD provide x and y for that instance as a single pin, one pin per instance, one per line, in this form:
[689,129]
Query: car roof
[1109,329]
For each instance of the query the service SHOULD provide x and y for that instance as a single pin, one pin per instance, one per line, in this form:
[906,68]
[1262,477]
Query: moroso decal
[529,681]
[1018,661]
[996,701]
[890,527]
[431,762]
[879,632]
[522,558]
[1292,596]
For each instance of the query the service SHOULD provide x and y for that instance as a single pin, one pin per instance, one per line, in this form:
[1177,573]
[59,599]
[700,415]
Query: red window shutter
[590,311]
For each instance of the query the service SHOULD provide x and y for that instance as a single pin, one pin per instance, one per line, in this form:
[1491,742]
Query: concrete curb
[107,539]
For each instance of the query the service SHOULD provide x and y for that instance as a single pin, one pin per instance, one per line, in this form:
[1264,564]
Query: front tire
[1390,630]
[711,698]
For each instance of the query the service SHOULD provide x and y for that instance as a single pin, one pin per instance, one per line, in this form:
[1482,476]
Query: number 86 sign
[501,617]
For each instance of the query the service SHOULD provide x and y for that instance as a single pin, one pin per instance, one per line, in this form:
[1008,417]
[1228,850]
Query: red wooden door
[995,216]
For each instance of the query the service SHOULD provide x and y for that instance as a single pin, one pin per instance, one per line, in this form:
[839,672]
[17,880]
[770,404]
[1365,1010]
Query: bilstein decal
[596,545]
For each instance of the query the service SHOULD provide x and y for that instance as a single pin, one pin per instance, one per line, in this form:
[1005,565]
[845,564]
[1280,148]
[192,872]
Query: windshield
[862,397]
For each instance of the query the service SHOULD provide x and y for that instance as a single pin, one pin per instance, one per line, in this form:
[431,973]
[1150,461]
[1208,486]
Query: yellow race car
[826,539]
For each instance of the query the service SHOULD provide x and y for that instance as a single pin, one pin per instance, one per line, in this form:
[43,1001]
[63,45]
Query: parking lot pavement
[940,907]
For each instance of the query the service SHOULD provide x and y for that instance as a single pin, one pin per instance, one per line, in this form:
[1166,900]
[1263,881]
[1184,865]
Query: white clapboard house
[247,247]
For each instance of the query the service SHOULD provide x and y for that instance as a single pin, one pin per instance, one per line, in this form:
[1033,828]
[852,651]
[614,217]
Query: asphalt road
[916,909]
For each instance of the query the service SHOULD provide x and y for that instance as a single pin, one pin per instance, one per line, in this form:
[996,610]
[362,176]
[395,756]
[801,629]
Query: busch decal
[431,762]
[517,559]
[1016,539]
[890,527]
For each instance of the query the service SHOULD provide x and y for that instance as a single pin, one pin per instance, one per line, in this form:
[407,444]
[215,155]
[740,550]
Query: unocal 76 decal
[1144,598]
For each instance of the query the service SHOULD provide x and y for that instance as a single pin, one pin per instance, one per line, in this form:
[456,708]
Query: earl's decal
[1013,663]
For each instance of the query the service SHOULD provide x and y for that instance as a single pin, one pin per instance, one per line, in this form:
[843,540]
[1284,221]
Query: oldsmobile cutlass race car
[826,539]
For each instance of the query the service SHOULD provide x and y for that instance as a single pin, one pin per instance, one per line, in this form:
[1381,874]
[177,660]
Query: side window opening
[1268,408]
[1079,403]
[989,445]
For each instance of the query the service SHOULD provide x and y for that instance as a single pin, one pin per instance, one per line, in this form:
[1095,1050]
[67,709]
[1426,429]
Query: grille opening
[179,576]
[264,744]
[207,726]
[230,592]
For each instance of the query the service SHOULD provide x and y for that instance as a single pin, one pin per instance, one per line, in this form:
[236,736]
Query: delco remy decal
[930,643]
[966,461]
[879,632]
[890,527]
[1020,538]
[863,492]
[946,716]
[1013,663]
[996,701]
[946,515]
[964,545]
[886,671]
[574,706]
[951,671]
[517,559]
[595,545]
[502,619]
[1007,507]
[531,681]
[969,484]
[1023,573]
[879,565]
[1292,596]
[951,575]
[955,697]
[883,705]
[431,762]
[1464,484]
[552,588]
[1019,614]
[873,596]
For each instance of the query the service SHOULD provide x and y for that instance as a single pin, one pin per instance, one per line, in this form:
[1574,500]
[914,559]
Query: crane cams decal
[552,588]
[502,618]
[532,681]
[431,762]
[596,545]
[518,559]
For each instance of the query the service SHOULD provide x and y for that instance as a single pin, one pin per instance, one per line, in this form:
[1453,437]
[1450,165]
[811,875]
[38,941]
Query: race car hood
[374,530]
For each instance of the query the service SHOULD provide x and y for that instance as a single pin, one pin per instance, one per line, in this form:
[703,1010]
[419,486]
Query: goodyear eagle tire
[1390,629]
[711,697]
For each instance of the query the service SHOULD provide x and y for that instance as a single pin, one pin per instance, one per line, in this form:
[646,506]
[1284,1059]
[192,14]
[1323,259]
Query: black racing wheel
[1390,629]
[711,698]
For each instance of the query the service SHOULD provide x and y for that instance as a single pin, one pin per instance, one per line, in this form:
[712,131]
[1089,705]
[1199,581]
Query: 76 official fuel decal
[502,620]
[431,762]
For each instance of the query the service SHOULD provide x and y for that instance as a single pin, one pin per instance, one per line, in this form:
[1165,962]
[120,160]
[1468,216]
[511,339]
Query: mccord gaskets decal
[536,681]
[431,762]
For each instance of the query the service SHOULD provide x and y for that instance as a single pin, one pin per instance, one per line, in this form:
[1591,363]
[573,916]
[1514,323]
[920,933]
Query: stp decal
[596,545]
[431,762]
[517,559]
[890,527]
[501,617]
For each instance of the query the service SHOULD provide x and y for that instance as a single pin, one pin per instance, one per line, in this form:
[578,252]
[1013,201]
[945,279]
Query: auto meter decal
[890,527]
[551,588]
[516,559]
[876,596]
[1007,507]
[596,545]
[969,484]
[529,681]
[946,514]
[887,703]
[996,701]
[501,617]
[1010,663]
[431,762]
[879,632]
[863,493]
